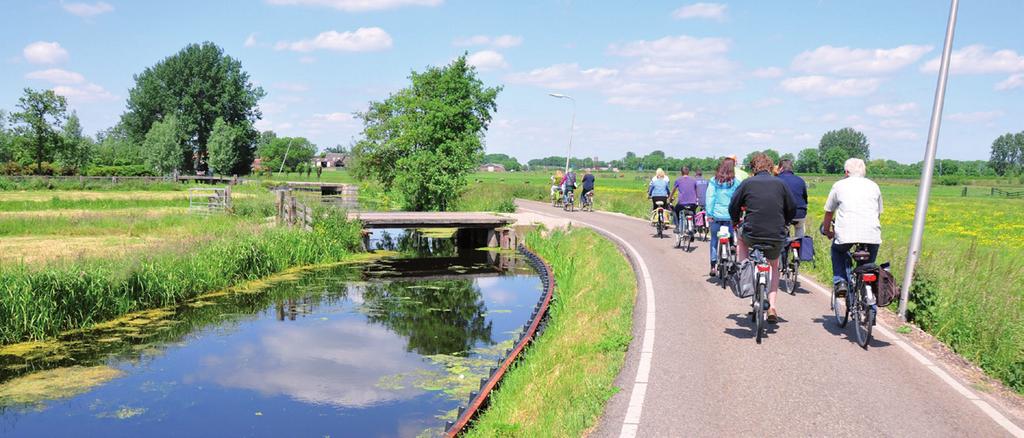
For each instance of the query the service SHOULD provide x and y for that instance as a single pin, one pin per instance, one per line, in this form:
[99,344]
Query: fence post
[292,214]
[227,198]
[964,194]
[279,203]
[993,191]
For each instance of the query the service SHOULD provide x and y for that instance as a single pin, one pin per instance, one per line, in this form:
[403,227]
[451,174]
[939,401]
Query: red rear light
[763,268]
[795,244]
[723,240]
[870,278]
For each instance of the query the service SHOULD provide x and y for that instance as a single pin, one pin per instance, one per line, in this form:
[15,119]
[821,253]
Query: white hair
[855,167]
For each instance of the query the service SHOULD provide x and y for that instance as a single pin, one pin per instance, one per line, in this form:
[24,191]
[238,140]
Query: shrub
[128,170]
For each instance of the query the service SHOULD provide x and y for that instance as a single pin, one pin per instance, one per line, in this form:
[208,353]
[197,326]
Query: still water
[378,349]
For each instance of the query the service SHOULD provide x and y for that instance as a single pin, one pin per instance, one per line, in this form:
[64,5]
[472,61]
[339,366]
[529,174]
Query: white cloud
[564,76]
[856,62]
[84,93]
[336,117]
[978,59]
[294,87]
[1014,81]
[765,103]
[714,11]
[672,46]
[682,115]
[500,41]
[56,76]
[250,41]
[822,86]
[87,10]
[768,72]
[974,117]
[486,60]
[891,110]
[364,39]
[45,52]
[358,5]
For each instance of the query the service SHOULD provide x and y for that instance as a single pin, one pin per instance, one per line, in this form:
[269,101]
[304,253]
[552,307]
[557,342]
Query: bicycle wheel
[723,265]
[759,313]
[796,277]
[841,308]
[661,226]
[864,319]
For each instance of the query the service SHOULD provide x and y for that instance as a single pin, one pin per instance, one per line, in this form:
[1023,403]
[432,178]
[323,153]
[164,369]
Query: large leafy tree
[76,151]
[423,140]
[6,139]
[1007,156]
[298,149]
[41,118]
[197,85]
[162,148]
[771,153]
[839,145]
[808,161]
[231,147]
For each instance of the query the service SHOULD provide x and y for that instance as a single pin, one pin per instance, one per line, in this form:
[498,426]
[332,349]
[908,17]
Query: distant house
[257,166]
[332,159]
[492,167]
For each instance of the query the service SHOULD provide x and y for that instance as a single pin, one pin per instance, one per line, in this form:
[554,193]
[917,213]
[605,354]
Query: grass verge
[562,383]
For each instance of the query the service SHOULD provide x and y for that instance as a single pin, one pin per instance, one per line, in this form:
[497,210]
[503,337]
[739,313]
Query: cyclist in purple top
[687,189]
[702,187]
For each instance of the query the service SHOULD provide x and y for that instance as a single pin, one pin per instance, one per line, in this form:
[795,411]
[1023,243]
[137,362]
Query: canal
[384,347]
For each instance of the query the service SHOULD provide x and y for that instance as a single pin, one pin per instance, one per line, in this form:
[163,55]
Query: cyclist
[657,189]
[855,203]
[556,184]
[568,185]
[687,201]
[769,208]
[716,202]
[702,187]
[798,188]
[588,183]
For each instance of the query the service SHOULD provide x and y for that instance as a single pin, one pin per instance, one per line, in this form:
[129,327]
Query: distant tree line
[193,111]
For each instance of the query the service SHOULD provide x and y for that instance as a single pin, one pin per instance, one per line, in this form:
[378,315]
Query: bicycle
[658,217]
[759,300]
[789,266]
[587,201]
[703,229]
[726,255]
[570,201]
[860,300]
[685,230]
[556,198]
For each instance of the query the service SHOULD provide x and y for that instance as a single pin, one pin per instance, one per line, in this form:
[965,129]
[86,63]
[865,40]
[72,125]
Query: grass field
[560,387]
[970,279]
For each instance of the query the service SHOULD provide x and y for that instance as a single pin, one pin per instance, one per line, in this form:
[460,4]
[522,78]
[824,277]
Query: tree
[299,151]
[337,149]
[510,163]
[230,147]
[771,153]
[113,148]
[197,85]
[163,146]
[787,156]
[76,150]
[848,142]
[423,140]
[1007,156]
[42,115]
[6,139]
[808,161]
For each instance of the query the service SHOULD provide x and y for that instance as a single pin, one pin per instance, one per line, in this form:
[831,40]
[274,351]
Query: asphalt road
[707,377]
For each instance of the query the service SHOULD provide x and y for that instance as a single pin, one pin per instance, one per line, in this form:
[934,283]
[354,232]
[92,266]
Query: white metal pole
[286,155]
[572,129]
[914,250]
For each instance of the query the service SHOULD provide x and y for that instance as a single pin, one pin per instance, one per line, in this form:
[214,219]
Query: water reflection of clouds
[337,363]
[502,291]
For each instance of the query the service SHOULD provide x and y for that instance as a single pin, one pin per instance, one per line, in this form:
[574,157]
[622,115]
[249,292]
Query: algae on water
[55,384]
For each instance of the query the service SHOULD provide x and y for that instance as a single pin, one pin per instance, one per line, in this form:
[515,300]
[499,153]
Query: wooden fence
[291,211]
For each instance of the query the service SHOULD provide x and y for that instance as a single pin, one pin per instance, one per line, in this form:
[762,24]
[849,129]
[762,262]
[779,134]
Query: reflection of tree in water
[414,243]
[437,317]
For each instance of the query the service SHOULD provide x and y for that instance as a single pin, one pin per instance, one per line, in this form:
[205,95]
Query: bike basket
[806,249]
[742,281]
[887,291]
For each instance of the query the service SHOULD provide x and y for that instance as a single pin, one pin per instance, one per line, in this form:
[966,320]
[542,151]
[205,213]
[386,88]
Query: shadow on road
[745,327]
[829,322]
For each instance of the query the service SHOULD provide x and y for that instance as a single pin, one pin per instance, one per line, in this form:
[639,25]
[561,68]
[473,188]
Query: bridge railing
[291,211]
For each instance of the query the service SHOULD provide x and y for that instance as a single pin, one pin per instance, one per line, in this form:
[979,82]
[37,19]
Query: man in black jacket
[766,207]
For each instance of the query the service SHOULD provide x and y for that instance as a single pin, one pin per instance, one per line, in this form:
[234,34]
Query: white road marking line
[985,407]
[631,423]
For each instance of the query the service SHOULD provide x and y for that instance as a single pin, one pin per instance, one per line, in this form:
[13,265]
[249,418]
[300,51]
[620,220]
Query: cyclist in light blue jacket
[716,202]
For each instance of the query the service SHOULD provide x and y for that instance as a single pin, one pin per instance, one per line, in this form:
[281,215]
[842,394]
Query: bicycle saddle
[659,203]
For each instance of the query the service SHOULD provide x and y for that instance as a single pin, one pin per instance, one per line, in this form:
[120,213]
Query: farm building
[492,167]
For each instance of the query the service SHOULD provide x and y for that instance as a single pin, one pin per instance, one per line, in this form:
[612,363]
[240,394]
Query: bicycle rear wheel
[723,265]
[864,319]
[840,307]
[661,227]
[759,321]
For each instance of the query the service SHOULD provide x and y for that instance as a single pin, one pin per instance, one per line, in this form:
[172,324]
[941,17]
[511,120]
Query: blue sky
[687,78]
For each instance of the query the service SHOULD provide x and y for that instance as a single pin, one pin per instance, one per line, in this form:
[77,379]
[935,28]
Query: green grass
[562,383]
[36,302]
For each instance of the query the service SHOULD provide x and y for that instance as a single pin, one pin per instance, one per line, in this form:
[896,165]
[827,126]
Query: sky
[687,78]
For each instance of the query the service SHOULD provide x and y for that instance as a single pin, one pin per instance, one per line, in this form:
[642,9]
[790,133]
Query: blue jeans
[715,226]
[842,260]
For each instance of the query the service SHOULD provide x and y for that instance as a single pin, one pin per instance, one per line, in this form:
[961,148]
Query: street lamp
[572,126]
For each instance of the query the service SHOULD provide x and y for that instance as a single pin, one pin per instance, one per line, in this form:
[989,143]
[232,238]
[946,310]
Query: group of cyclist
[759,209]
[563,185]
